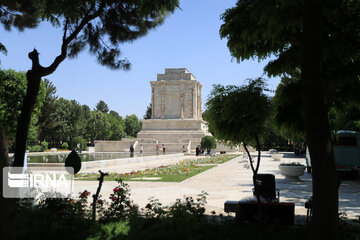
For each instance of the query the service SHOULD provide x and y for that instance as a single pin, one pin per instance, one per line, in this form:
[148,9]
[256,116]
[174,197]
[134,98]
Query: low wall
[120,161]
[114,146]
[113,162]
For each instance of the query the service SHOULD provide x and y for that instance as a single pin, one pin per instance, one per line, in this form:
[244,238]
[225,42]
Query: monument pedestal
[173,133]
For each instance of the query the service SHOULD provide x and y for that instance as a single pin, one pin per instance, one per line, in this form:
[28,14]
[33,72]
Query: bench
[282,212]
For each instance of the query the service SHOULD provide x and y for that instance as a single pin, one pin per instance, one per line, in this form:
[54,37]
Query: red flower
[113,199]
[99,201]
[84,194]
[116,189]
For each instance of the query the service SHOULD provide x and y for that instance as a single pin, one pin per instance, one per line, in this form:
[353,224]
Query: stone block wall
[114,146]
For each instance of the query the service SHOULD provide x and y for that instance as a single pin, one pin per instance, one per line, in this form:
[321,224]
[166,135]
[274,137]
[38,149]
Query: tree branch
[65,29]
[66,41]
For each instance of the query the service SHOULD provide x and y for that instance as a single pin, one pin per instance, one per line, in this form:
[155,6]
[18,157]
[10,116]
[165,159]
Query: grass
[137,176]
[220,159]
[171,173]
[182,229]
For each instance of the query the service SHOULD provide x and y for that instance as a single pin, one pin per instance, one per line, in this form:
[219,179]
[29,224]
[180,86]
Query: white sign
[33,182]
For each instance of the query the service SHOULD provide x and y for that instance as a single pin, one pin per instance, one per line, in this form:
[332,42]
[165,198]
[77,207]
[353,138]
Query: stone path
[233,181]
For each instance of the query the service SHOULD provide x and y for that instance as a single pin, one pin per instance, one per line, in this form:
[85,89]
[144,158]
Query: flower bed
[168,173]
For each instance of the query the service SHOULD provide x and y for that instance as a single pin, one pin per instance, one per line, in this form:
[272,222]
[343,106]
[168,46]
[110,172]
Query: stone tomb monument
[176,117]
[176,113]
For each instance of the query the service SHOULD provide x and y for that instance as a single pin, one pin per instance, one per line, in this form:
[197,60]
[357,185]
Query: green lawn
[163,177]
[171,173]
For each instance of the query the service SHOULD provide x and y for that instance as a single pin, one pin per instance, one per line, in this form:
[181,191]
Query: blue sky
[189,38]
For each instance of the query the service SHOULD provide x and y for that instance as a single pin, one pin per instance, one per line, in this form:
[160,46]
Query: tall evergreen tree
[102,107]
[47,119]
[148,113]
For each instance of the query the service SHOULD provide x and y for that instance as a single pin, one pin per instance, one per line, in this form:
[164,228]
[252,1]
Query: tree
[99,24]
[272,139]
[148,113]
[102,107]
[78,140]
[47,118]
[98,126]
[132,125]
[262,28]
[117,127]
[68,118]
[114,114]
[12,92]
[347,118]
[238,115]
[208,143]
[289,119]
[317,125]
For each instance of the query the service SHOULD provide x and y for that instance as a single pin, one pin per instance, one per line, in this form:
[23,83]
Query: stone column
[162,101]
[182,99]
[194,98]
[199,102]
[152,102]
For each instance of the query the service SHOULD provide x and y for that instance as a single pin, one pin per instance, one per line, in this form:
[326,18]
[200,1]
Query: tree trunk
[255,172]
[325,195]
[7,204]
[33,85]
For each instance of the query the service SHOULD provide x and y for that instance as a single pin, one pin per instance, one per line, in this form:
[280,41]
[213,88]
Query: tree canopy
[208,143]
[289,119]
[238,113]
[132,125]
[102,107]
[12,91]
[260,29]
[274,28]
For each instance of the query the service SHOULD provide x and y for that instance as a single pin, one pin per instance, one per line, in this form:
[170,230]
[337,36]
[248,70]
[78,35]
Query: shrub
[208,142]
[45,145]
[121,207]
[55,218]
[65,145]
[35,148]
[76,140]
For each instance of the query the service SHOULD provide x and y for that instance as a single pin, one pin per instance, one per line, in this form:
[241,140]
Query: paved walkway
[233,181]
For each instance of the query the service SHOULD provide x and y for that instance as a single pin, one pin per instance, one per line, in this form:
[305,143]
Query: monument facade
[176,112]
[176,120]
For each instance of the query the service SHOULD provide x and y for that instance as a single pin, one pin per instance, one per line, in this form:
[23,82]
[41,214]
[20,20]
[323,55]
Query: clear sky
[189,38]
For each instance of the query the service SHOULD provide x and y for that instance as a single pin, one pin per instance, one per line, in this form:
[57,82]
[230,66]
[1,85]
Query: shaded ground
[230,181]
